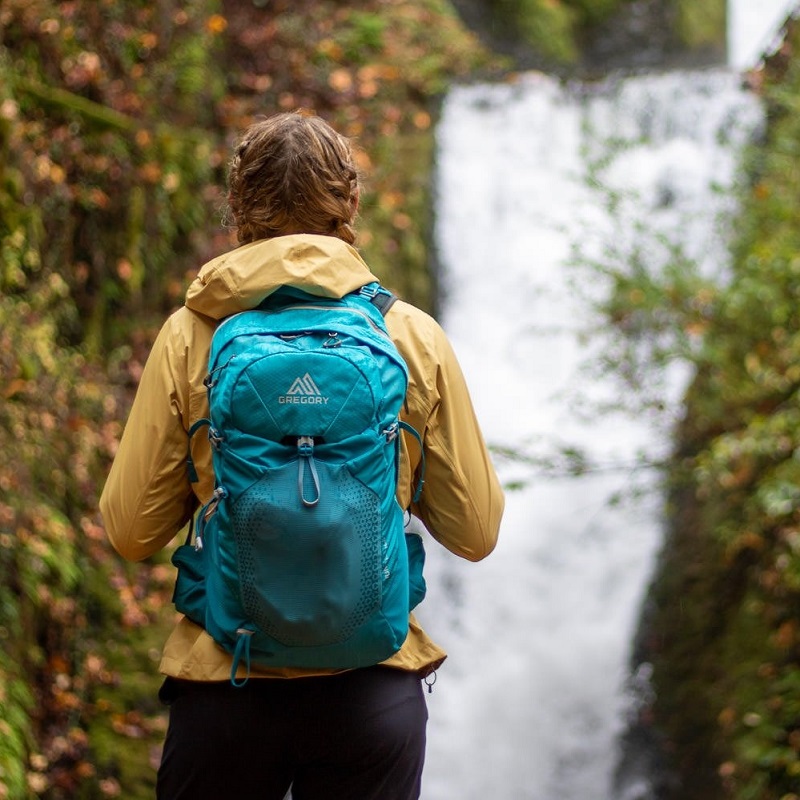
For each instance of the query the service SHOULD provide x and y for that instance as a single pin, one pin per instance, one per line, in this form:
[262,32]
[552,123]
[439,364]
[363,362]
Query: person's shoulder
[184,321]
[184,331]
[422,343]
[407,322]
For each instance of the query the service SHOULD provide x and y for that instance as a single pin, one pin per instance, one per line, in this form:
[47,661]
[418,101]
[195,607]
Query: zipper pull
[430,680]
[305,449]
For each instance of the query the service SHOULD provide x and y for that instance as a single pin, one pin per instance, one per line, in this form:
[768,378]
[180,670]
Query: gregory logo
[303,390]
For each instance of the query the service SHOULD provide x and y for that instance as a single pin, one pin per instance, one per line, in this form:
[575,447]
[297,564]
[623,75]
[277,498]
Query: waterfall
[751,28]
[533,699]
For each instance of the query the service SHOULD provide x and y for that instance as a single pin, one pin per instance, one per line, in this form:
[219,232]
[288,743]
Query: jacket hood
[241,279]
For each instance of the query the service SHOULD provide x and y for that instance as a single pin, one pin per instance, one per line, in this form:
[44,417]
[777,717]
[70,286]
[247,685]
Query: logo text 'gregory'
[303,390]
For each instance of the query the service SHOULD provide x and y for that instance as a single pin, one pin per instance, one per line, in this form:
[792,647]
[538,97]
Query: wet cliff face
[651,34]
[597,38]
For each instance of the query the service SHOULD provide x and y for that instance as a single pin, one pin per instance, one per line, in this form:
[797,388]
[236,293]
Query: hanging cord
[242,650]
[305,448]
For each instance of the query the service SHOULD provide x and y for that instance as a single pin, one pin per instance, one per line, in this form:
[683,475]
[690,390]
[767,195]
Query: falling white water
[531,702]
[752,26]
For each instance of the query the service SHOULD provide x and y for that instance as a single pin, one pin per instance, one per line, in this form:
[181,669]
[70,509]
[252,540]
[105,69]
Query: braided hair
[292,173]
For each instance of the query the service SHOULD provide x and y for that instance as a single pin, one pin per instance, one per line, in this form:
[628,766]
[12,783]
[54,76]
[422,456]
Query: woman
[293,197]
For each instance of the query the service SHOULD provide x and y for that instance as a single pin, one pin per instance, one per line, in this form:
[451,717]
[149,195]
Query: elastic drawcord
[305,449]
[243,637]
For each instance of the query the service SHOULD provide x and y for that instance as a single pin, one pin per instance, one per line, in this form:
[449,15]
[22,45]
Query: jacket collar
[240,279]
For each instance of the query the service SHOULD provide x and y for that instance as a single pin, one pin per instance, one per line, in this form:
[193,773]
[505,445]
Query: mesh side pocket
[308,576]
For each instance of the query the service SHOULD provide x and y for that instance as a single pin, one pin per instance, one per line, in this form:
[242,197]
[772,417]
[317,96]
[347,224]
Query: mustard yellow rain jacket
[148,498]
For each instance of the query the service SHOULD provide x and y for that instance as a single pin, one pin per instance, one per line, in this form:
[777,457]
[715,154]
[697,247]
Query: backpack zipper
[382,333]
[366,316]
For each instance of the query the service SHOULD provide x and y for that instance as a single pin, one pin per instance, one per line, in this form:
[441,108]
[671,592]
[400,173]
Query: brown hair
[292,173]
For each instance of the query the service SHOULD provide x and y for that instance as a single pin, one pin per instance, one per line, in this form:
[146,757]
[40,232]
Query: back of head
[292,173]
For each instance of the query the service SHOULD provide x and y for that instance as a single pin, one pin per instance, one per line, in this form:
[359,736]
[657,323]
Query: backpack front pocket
[309,575]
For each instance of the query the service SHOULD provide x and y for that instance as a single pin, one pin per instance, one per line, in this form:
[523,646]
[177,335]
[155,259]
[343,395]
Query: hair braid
[292,173]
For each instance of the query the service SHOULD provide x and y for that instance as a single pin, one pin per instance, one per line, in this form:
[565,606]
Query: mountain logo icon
[303,391]
[304,385]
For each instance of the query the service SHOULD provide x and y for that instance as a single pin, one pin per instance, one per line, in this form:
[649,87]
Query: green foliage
[552,28]
[593,11]
[95,149]
[754,448]
[362,35]
[549,27]
[701,23]
[58,421]
[16,707]
[553,32]
[116,120]
[727,658]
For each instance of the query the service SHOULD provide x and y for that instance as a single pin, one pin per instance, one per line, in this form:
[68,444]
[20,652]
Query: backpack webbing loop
[243,638]
[305,448]
[413,431]
[190,467]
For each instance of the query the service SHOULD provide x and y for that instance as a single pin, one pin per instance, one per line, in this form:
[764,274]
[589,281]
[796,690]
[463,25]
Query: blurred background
[599,201]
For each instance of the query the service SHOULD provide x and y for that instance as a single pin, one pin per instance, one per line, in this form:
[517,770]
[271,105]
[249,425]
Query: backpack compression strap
[380,297]
[384,301]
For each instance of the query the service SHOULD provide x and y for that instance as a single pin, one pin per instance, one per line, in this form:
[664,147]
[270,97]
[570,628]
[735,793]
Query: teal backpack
[301,557]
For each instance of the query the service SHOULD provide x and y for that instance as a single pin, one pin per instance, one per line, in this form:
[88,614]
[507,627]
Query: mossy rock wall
[722,624]
[116,120]
[591,37]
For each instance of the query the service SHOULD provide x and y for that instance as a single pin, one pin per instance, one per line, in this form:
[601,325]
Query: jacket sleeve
[147,497]
[462,502]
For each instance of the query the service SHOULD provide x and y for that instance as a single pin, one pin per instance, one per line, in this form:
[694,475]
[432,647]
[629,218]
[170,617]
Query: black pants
[355,736]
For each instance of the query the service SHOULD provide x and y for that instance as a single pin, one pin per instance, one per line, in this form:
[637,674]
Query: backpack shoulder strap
[380,297]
